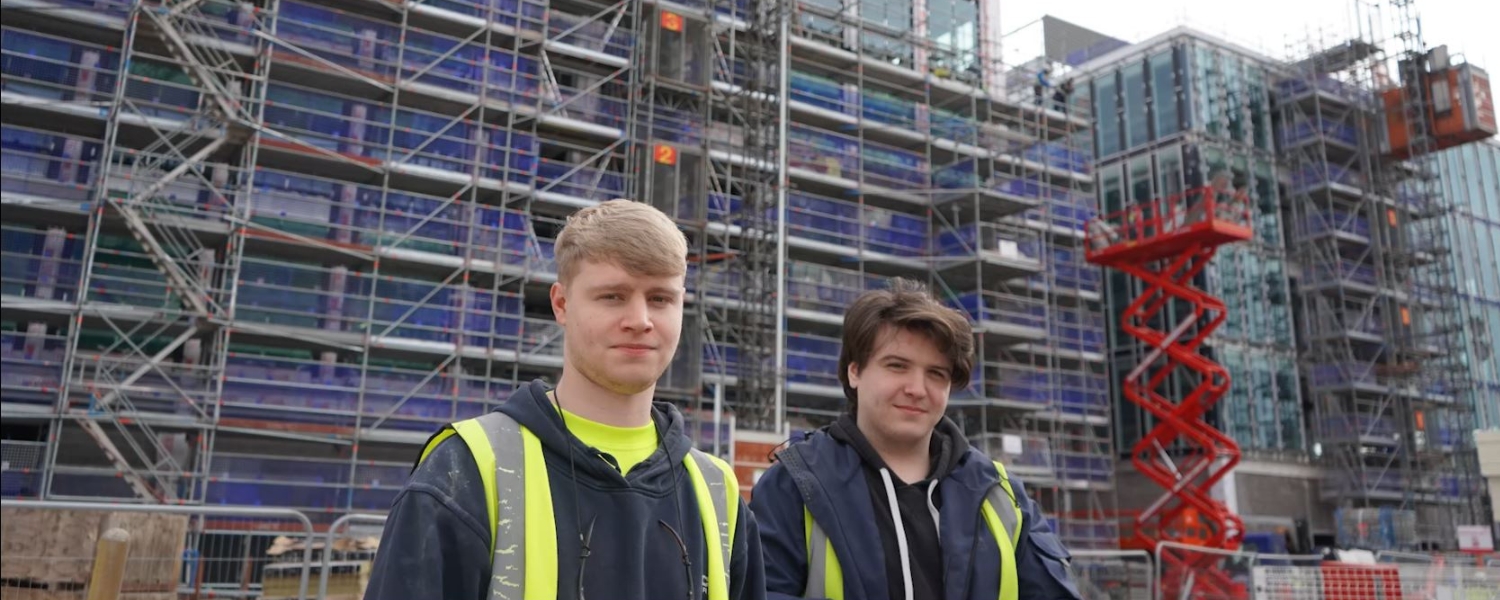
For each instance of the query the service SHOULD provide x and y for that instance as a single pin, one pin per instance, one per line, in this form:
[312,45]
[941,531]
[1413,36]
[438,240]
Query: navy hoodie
[841,502]
[436,540]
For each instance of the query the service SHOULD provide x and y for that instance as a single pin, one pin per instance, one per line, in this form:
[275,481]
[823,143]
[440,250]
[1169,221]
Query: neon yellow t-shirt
[629,445]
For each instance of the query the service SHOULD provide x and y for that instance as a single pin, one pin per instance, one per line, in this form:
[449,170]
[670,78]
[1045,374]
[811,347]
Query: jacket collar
[840,503]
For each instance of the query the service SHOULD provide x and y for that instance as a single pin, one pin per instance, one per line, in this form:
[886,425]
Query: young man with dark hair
[591,490]
[948,522]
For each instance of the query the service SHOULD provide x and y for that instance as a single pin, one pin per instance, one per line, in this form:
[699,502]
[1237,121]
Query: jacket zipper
[974,545]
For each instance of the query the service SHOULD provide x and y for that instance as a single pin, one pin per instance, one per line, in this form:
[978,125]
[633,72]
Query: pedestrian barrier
[1437,580]
[1353,576]
[173,552]
[1114,574]
[348,554]
[52,549]
[1240,568]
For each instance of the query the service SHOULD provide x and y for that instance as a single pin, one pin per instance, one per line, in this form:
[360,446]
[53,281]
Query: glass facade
[1145,99]
[1231,100]
[1471,181]
[1169,118]
[1138,103]
[886,22]
[1142,104]
[953,27]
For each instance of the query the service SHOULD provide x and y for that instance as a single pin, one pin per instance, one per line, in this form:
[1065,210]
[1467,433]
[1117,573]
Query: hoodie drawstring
[937,522]
[890,493]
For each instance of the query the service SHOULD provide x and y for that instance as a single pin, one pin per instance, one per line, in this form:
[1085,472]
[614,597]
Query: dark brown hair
[906,305]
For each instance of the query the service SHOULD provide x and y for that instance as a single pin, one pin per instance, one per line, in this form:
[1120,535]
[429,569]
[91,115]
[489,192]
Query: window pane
[1232,82]
[1138,128]
[888,21]
[1260,118]
[1208,100]
[953,27]
[1106,109]
[1262,191]
[1114,198]
[1140,179]
[1169,166]
[1164,95]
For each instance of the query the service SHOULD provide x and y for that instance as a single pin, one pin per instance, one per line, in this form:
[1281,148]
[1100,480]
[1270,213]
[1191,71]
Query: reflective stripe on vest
[519,496]
[1002,514]
[825,578]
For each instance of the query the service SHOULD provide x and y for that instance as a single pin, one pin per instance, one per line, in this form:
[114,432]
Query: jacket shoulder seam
[451,505]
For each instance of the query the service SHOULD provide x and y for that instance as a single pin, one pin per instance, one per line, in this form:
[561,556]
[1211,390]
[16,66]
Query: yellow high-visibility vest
[523,534]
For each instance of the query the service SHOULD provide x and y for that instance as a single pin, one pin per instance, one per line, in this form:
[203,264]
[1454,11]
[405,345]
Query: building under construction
[256,252]
[1351,399]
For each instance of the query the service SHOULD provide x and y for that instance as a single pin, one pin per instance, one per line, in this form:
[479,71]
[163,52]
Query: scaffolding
[255,252]
[1379,324]
[1008,250]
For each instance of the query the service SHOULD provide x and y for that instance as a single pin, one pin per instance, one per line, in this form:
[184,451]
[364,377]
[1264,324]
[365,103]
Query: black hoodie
[918,502]
[436,539]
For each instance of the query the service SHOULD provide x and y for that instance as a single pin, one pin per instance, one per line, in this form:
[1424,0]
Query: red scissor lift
[1165,243]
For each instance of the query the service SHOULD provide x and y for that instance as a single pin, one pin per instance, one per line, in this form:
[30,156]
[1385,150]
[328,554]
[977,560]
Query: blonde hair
[635,236]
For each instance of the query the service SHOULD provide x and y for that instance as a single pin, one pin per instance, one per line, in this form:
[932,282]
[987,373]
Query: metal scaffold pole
[783,120]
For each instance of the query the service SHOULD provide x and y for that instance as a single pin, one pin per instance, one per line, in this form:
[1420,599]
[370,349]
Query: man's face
[903,389]
[619,330]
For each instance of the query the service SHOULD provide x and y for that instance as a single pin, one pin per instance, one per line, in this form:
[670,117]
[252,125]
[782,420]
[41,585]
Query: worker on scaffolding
[1043,83]
[944,515]
[591,489]
[1062,96]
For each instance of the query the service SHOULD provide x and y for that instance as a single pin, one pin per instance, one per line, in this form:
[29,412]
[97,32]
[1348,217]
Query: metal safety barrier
[1382,576]
[1476,558]
[1347,581]
[1238,567]
[188,552]
[348,538]
[195,552]
[1114,574]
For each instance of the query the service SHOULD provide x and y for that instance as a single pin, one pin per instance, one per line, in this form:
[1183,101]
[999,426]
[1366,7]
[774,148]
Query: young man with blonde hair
[592,489]
[890,502]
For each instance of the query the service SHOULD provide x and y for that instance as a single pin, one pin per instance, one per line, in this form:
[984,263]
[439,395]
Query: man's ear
[558,294]
[854,375]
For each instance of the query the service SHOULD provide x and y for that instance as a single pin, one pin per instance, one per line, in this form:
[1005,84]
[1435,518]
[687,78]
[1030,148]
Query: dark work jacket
[842,502]
[917,503]
[436,540]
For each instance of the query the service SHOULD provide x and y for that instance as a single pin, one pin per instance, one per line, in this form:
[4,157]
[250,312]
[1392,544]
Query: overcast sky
[1470,27]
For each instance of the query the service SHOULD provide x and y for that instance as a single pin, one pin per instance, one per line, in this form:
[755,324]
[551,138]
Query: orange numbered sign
[666,155]
[671,21]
